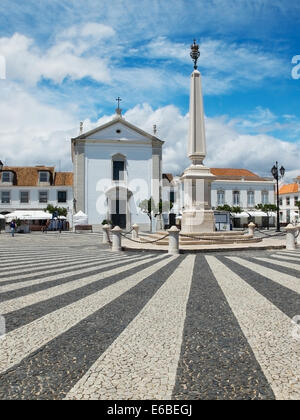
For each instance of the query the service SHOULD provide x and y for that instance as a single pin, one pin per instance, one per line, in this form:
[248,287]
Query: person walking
[13,228]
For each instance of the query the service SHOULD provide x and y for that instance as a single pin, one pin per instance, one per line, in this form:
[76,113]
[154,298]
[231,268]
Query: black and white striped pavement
[85,323]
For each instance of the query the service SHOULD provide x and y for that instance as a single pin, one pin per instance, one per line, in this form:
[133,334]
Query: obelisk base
[197,221]
[197,216]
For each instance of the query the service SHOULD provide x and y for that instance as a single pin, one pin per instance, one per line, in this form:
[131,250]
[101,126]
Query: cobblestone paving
[85,323]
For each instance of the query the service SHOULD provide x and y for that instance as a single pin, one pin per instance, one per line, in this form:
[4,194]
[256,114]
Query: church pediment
[119,130]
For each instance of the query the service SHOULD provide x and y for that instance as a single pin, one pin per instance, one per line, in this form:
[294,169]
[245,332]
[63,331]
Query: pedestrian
[13,228]
[59,225]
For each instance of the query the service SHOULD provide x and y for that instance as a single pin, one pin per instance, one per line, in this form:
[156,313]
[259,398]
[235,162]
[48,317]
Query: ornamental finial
[195,53]
[119,110]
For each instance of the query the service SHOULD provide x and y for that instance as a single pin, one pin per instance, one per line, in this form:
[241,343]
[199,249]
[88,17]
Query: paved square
[85,323]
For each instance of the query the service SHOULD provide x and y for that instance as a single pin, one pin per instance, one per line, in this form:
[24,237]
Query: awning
[252,214]
[240,215]
[28,215]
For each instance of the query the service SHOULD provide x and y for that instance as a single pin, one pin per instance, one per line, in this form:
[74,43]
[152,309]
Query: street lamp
[275,172]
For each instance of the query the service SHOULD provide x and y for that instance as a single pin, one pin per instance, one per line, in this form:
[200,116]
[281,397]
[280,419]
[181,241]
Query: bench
[80,228]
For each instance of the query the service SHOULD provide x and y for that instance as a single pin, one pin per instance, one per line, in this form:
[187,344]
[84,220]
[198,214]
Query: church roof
[115,120]
[289,189]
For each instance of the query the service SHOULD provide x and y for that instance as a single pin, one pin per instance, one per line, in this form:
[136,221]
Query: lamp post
[275,172]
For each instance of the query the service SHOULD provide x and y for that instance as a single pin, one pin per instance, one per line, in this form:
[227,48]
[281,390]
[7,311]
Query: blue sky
[67,61]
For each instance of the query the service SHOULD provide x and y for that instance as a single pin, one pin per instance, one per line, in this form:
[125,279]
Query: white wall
[284,208]
[243,187]
[99,177]
[34,203]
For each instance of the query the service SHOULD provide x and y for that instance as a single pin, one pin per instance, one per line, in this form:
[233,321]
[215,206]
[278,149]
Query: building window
[44,176]
[118,170]
[6,176]
[43,196]
[280,201]
[172,196]
[61,196]
[265,197]
[5,197]
[221,198]
[287,201]
[296,199]
[250,198]
[24,197]
[236,198]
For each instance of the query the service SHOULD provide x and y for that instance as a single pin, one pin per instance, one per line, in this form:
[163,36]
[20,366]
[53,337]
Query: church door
[119,208]
[118,218]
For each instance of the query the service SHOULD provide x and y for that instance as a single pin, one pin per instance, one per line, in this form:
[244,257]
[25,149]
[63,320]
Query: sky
[66,61]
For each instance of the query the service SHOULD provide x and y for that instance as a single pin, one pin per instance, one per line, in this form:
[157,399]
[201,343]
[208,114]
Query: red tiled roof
[233,173]
[28,176]
[289,189]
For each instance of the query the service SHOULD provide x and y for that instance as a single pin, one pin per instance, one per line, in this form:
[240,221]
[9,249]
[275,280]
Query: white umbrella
[258,213]
[240,215]
[28,215]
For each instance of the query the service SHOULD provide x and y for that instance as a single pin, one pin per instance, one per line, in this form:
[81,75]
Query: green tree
[163,207]
[148,207]
[226,207]
[61,211]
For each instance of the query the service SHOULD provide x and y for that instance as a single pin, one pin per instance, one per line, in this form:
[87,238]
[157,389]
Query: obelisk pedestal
[197,217]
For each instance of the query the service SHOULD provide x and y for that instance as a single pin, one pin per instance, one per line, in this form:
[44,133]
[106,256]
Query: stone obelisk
[197,217]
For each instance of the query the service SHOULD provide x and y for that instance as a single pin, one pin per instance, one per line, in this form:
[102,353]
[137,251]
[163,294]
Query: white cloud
[91,30]
[40,134]
[32,132]
[29,64]
[225,66]
[227,147]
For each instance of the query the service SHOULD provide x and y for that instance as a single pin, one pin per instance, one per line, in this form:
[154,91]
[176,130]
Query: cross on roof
[118,100]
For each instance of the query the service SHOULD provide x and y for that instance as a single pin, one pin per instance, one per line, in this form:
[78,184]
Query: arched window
[118,167]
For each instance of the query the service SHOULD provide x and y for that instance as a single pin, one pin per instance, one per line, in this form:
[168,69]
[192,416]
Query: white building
[234,187]
[288,196]
[116,166]
[33,188]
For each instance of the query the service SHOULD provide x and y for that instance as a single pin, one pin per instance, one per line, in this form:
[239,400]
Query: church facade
[116,166]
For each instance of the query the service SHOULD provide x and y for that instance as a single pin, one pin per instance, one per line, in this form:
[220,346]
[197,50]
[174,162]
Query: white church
[116,166]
